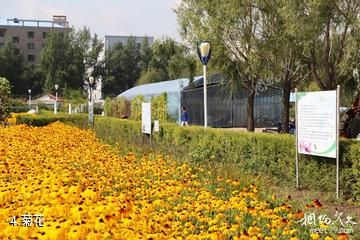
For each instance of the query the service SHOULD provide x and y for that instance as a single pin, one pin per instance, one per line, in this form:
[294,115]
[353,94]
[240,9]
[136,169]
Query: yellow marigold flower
[85,190]
[315,236]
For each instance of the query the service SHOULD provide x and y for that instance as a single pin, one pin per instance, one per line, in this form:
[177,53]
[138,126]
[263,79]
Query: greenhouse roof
[172,86]
[215,78]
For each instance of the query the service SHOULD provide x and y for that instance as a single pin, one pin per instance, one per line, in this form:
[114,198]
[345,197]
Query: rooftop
[57,22]
[107,37]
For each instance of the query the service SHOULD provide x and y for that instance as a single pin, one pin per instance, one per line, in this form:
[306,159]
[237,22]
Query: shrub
[136,108]
[117,107]
[273,155]
[18,105]
[159,107]
[74,96]
[78,120]
[98,108]
[4,99]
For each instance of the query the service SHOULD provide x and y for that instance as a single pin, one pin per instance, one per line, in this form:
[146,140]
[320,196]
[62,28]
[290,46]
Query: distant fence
[62,107]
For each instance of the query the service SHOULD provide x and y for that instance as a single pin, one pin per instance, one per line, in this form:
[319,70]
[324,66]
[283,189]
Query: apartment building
[110,41]
[29,36]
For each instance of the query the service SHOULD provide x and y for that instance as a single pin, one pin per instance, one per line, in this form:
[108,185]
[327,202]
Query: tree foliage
[11,67]
[66,57]
[235,29]
[276,42]
[122,67]
[169,60]
[329,31]
[284,58]
[128,65]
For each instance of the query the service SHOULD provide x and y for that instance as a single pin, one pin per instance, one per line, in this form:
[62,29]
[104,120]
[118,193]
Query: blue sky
[105,17]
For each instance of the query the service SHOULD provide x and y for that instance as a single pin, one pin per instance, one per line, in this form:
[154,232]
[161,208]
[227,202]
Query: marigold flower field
[85,190]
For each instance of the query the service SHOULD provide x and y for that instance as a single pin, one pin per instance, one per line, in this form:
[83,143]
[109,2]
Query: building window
[30,34]
[16,51]
[31,45]
[2,33]
[2,44]
[43,45]
[44,34]
[31,58]
[16,39]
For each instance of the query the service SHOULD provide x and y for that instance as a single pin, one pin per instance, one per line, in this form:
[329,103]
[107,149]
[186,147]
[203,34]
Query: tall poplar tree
[235,31]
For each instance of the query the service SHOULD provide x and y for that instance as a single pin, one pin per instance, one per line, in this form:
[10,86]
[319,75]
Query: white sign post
[146,119]
[156,126]
[317,127]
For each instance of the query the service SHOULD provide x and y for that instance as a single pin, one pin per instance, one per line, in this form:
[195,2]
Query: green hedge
[79,120]
[269,154]
[272,155]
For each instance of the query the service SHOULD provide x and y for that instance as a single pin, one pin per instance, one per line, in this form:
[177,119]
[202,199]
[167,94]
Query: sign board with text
[292,97]
[146,118]
[317,123]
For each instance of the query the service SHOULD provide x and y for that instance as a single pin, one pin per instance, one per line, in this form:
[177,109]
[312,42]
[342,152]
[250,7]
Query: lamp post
[91,105]
[204,52]
[181,87]
[56,98]
[29,91]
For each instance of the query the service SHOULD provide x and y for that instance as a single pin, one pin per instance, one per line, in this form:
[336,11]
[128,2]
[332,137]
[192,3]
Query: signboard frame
[336,126]
[146,119]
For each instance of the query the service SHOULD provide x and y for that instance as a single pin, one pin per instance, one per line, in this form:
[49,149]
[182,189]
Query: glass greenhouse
[227,108]
[172,88]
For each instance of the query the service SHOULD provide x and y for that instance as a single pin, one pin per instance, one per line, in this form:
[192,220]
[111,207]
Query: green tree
[66,57]
[132,66]
[284,61]
[4,98]
[11,67]
[127,66]
[169,60]
[89,49]
[151,75]
[33,76]
[57,60]
[122,67]
[235,29]
[329,32]
[163,50]
[145,54]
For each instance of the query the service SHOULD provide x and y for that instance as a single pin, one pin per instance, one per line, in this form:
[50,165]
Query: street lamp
[181,87]
[204,52]
[29,91]
[91,104]
[56,98]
